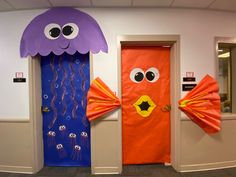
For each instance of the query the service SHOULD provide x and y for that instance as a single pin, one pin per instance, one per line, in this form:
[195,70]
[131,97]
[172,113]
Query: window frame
[227,40]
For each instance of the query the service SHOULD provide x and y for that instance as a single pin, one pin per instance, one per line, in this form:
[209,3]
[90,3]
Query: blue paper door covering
[66,130]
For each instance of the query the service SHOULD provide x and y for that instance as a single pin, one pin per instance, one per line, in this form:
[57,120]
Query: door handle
[166,108]
[45,109]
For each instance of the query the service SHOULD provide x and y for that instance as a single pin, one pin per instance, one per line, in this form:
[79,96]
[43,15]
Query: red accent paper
[202,105]
[101,100]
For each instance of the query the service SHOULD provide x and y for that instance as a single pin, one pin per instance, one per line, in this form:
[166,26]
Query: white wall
[14,102]
[197,29]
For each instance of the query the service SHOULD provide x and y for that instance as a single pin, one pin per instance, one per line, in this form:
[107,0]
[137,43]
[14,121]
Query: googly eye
[62,128]
[52,31]
[84,134]
[72,135]
[51,133]
[59,146]
[70,30]
[152,74]
[137,75]
[77,147]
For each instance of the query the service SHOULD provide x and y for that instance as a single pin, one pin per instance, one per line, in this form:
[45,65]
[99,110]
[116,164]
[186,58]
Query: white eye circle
[136,75]
[152,74]
[70,30]
[52,31]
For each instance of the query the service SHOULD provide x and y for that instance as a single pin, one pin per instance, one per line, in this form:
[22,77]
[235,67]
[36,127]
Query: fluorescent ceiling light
[224,55]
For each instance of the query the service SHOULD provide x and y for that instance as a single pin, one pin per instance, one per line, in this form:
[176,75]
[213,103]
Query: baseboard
[208,166]
[16,169]
[106,170]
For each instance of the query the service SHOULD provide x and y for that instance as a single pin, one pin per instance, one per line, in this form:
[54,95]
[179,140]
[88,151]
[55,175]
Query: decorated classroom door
[66,130]
[145,105]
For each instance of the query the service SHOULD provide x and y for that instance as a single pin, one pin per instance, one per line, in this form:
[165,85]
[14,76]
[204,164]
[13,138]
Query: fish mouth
[144,106]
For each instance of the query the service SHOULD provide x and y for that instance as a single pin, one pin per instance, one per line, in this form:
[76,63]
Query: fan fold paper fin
[101,100]
[202,105]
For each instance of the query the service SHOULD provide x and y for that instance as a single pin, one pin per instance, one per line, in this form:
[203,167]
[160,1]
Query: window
[226,55]
[224,75]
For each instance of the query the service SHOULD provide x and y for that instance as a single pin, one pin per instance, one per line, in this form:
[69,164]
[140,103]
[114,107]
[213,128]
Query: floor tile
[2,174]
[210,173]
[231,171]
[58,171]
[157,170]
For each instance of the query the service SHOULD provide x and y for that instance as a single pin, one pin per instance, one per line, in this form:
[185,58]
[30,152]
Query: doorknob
[166,108]
[45,109]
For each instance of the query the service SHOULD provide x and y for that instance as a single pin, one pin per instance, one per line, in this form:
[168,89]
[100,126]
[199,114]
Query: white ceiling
[11,5]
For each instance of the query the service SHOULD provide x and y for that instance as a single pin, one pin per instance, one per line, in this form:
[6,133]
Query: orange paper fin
[101,100]
[202,105]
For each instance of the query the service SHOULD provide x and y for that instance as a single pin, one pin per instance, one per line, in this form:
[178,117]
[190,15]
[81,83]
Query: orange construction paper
[101,100]
[145,103]
[202,105]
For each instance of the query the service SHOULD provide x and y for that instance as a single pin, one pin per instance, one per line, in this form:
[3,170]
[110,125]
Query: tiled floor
[128,171]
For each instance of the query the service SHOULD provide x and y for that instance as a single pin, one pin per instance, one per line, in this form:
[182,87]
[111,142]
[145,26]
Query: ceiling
[11,5]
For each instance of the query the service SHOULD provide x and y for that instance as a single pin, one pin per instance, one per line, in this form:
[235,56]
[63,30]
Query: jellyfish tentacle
[61,151]
[83,89]
[84,139]
[63,86]
[83,78]
[72,78]
[53,91]
[76,154]
[51,141]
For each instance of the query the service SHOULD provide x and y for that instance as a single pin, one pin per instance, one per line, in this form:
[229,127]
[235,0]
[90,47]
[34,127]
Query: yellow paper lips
[144,106]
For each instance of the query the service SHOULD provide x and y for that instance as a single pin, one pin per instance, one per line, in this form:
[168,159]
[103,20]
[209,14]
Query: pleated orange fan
[101,100]
[202,105]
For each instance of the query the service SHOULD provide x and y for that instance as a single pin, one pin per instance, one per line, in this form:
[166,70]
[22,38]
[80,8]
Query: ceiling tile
[5,6]
[192,3]
[111,3]
[224,5]
[29,4]
[152,3]
[228,5]
[72,3]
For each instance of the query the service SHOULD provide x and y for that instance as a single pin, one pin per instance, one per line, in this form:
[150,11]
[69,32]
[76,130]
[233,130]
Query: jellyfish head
[60,30]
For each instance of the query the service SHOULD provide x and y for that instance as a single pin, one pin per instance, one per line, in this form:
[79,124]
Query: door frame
[35,103]
[158,40]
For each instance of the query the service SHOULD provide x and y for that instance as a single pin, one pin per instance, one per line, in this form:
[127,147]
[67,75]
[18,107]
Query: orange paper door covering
[101,100]
[145,103]
[202,105]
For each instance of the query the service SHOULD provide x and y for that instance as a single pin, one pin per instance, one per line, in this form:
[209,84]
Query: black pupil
[138,76]
[144,106]
[150,75]
[54,32]
[67,30]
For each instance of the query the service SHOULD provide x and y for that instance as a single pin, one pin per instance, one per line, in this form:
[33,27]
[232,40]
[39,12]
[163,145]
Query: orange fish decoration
[202,105]
[101,100]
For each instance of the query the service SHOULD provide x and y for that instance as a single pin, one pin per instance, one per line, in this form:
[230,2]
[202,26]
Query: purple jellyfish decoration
[60,30]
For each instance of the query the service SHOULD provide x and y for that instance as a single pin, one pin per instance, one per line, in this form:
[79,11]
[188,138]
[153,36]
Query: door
[66,131]
[145,104]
